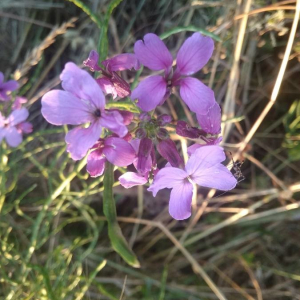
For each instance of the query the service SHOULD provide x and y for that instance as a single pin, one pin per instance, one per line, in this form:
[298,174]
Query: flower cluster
[14,125]
[124,138]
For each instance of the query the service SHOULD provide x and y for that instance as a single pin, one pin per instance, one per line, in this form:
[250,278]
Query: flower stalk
[117,239]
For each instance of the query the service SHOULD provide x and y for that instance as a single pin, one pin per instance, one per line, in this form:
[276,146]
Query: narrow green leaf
[46,280]
[117,239]
[122,105]
[88,11]
[189,28]
[103,41]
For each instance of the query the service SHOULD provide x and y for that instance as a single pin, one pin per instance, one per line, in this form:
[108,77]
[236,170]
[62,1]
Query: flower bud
[162,134]
[164,119]
[183,129]
[92,61]
[140,133]
[144,155]
[167,149]
[145,117]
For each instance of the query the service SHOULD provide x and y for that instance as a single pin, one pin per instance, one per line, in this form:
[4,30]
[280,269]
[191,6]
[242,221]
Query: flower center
[97,113]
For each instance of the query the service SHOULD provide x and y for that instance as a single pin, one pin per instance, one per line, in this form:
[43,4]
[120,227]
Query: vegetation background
[240,245]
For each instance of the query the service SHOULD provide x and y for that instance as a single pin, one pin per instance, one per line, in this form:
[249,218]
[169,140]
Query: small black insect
[236,166]
[236,172]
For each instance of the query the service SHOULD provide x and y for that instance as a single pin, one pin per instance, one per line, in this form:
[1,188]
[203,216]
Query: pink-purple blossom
[111,82]
[12,127]
[192,56]
[203,168]
[6,88]
[116,150]
[81,102]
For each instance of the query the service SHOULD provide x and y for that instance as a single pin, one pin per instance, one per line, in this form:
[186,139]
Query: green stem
[117,239]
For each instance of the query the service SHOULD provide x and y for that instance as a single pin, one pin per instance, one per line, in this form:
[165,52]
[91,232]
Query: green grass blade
[189,28]
[103,41]
[88,11]
[117,239]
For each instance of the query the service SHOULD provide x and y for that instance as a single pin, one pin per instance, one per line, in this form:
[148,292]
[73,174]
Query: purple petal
[80,140]
[194,54]
[168,151]
[216,177]
[92,61]
[95,163]
[61,107]
[113,121]
[82,84]
[211,123]
[17,116]
[150,92]
[1,77]
[118,152]
[143,155]
[205,169]
[181,200]
[25,127]
[204,157]
[18,102]
[153,53]
[4,96]
[185,130]
[2,120]
[125,61]
[167,178]
[121,86]
[131,179]
[13,136]
[198,97]
[107,86]
[9,86]
[127,115]
[211,141]
[191,149]
[135,144]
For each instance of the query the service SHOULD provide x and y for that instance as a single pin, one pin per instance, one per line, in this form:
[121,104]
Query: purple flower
[204,168]
[11,128]
[18,102]
[116,150]
[6,88]
[211,122]
[192,56]
[82,101]
[111,82]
